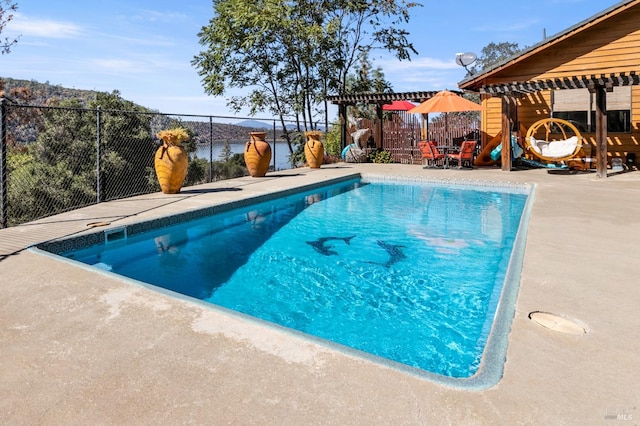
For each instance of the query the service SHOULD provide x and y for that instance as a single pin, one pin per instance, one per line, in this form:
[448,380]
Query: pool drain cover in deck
[558,323]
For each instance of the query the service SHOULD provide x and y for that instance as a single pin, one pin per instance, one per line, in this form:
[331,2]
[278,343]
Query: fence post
[210,149]
[3,162]
[98,158]
[274,146]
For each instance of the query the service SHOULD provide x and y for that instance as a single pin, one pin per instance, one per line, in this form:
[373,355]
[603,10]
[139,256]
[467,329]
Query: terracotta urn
[171,162]
[257,154]
[314,149]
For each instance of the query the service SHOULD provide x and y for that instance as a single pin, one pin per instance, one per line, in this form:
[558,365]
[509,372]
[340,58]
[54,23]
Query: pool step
[115,234]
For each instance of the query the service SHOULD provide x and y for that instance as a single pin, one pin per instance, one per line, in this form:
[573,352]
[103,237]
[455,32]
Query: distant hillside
[267,125]
[42,92]
[255,124]
[221,131]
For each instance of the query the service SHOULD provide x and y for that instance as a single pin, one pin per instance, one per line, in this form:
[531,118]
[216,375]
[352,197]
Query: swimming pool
[408,271]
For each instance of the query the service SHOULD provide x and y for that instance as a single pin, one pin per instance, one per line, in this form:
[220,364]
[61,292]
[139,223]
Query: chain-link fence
[55,159]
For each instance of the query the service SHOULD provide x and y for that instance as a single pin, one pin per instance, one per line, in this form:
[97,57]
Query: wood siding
[609,46]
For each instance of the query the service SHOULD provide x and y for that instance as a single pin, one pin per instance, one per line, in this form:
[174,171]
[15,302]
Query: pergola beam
[574,82]
[382,98]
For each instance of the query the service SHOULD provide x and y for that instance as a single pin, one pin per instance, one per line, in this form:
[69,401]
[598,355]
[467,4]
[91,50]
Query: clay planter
[257,154]
[314,149]
[171,167]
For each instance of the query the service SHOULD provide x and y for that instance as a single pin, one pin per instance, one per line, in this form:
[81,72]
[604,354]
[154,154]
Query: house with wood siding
[588,74]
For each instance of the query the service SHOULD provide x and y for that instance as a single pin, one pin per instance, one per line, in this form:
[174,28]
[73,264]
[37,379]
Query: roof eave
[473,83]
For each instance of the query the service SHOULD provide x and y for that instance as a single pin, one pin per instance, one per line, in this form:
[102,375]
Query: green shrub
[196,172]
[380,156]
[298,141]
[332,140]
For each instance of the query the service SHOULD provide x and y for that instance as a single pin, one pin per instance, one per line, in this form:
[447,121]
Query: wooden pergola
[379,99]
[597,84]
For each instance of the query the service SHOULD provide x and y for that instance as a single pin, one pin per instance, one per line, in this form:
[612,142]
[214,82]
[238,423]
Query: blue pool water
[411,272]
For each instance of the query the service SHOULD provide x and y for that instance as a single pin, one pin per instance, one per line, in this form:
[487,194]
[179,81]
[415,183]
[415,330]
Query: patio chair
[430,154]
[434,148]
[464,158]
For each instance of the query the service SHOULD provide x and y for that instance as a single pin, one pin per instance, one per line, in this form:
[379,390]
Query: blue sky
[144,48]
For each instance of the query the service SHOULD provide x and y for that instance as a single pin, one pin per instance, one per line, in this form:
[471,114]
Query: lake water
[279,152]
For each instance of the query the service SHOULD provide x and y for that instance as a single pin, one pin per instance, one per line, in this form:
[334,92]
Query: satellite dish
[465,59]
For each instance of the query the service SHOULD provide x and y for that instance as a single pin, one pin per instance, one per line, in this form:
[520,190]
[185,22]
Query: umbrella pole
[446,129]
[425,127]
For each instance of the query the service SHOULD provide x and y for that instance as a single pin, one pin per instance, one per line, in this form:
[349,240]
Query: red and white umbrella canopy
[398,106]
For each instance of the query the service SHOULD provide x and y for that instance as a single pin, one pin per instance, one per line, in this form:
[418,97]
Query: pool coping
[491,367]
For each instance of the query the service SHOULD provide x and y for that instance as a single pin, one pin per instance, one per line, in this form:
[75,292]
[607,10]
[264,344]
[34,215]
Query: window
[578,107]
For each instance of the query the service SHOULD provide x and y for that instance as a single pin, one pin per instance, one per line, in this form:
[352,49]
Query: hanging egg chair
[540,144]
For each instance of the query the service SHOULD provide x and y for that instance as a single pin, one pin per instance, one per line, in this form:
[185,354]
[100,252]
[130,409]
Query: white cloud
[195,104]
[45,28]
[509,27]
[167,17]
[422,73]
[118,65]
[425,82]
[390,65]
[142,40]
[153,66]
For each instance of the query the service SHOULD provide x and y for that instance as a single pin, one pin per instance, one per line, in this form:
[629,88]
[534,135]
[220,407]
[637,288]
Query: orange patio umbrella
[445,102]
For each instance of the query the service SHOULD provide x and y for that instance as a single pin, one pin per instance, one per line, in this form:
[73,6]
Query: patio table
[447,149]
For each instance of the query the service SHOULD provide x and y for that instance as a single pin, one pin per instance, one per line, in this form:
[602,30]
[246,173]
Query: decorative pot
[257,154]
[171,167]
[314,149]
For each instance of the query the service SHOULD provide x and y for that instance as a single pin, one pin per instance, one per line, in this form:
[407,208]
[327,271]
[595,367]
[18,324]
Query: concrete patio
[82,347]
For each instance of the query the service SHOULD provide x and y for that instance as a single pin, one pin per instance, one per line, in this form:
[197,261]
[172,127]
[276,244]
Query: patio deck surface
[81,347]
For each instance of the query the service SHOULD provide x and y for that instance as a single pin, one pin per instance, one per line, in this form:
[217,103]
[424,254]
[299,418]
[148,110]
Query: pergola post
[506,135]
[601,130]
[342,114]
[377,133]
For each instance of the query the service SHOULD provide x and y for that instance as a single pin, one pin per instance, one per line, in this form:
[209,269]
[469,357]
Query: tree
[230,168]
[366,79]
[50,175]
[128,145]
[5,17]
[493,54]
[28,121]
[226,153]
[5,47]
[59,170]
[293,53]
